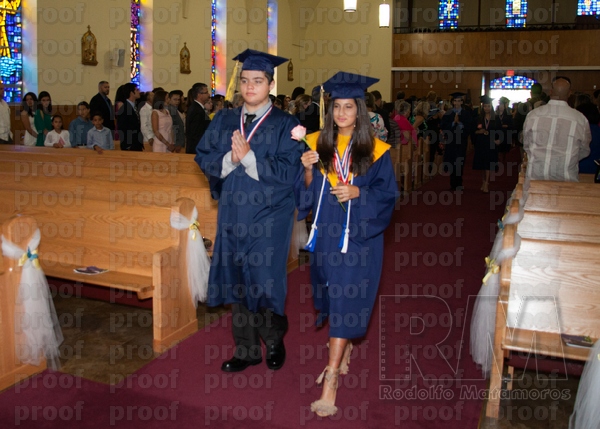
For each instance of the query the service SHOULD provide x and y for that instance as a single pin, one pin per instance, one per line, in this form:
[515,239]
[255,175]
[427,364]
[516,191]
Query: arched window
[588,7]
[516,13]
[448,14]
[512,82]
[11,52]
[135,37]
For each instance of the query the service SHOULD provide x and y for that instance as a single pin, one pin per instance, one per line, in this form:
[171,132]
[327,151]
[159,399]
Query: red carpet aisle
[413,368]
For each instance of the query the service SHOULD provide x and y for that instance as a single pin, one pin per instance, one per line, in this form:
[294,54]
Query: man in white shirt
[556,137]
[145,119]
[6,135]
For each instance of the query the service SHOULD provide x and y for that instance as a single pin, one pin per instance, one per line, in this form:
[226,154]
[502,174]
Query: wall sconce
[117,57]
[384,15]
[349,5]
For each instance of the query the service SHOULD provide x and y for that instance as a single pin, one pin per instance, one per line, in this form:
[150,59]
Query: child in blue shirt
[79,127]
[99,138]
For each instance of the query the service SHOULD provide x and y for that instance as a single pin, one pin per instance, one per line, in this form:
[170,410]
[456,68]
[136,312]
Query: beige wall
[60,26]
[323,39]
[317,35]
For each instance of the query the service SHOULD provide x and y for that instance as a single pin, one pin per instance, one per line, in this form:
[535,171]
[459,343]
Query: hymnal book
[90,270]
[577,341]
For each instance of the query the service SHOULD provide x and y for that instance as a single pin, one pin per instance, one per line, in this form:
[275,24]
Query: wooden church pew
[558,247]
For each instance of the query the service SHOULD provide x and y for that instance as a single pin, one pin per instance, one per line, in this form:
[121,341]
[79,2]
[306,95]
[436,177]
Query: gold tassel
[322,109]
[232,82]
[493,268]
[194,227]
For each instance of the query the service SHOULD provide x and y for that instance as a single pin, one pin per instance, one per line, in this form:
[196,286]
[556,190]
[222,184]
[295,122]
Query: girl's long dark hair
[40,106]
[25,107]
[362,140]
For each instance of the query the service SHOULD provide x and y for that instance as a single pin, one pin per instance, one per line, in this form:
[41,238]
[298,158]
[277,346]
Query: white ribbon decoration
[346,232]
[37,331]
[197,259]
[483,322]
[586,412]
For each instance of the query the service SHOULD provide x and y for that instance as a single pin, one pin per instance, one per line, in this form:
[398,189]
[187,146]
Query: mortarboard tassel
[322,109]
[232,82]
[312,237]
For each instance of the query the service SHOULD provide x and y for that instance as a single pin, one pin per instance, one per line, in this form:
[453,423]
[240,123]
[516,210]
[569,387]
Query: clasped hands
[239,147]
[342,191]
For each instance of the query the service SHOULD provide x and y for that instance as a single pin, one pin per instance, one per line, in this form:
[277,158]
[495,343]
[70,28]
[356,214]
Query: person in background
[145,118]
[6,135]
[101,103]
[99,138]
[277,103]
[197,119]
[128,120]
[28,108]
[306,112]
[433,136]
[505,123]
[57,138]
[178,119]
[347,181]
[377,122]
[217,104]
[43,117]
[408,135]
[79,127]
[592,114]
[456,126]
[162,124]
[556,137]
[381,111]
[487,138]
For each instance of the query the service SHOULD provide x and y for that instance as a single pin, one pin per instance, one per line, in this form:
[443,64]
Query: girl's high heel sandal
[321,407]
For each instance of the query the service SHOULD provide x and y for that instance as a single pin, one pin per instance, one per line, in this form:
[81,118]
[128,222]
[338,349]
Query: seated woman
[348,183]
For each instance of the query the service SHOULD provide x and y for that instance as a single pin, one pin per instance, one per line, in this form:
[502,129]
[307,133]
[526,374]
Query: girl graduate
[348,183]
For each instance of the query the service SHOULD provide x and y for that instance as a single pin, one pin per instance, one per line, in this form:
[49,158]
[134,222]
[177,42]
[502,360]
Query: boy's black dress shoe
[236,365]
[275,356]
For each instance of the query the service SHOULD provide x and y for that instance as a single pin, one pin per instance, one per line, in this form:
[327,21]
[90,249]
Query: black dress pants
[248,328]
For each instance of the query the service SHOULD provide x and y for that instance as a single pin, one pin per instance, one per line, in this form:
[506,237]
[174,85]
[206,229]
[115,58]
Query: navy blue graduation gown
[254,222]
[345,285]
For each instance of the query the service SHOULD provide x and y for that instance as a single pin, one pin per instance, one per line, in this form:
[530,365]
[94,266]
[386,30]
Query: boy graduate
[456,126]
[251,161]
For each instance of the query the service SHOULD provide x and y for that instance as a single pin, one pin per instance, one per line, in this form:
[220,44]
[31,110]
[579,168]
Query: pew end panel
[18,230]
[174,313]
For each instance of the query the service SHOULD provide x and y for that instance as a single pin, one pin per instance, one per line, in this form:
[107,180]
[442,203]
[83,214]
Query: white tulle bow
[483,322]
[586,413]
[37,331]
[197,258]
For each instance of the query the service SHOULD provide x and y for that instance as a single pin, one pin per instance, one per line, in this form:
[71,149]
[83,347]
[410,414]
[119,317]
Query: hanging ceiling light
[349,5]
[384,15]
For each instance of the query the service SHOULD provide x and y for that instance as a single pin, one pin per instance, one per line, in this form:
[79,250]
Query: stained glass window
[512,82]
[11,54]
[213,54]
[448,14]
[135,42]
[588,7]
[516,13]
